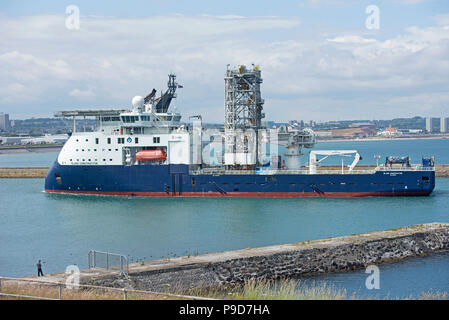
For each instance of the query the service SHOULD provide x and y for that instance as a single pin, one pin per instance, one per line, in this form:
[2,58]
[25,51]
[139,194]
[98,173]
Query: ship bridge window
[145,118]
[130,119]
[107,119]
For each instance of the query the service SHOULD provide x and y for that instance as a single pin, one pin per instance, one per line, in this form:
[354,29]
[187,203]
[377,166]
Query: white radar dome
[137,102]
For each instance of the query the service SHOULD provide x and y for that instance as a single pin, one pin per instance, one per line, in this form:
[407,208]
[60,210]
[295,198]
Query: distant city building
[414,131]
[11,140]
[5,124]
[46,139]
[389,132]
[429,125]
[443,124]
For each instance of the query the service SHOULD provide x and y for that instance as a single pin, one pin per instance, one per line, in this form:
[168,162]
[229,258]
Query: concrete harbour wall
[31,172]
[282,261]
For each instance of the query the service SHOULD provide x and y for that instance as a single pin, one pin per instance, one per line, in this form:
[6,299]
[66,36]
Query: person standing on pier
[39,269]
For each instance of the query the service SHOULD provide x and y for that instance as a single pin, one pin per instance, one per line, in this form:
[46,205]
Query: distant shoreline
[385,139]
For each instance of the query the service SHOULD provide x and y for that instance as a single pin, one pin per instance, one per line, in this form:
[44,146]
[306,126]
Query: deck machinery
[244,128]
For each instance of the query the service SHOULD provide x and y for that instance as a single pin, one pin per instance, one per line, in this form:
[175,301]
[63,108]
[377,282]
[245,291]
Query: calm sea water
[28,159]
[61,229]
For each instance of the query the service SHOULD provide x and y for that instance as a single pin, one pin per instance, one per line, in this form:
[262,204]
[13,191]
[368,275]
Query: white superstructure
[121,134]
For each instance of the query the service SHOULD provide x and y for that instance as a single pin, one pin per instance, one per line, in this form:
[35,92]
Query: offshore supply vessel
[148,151]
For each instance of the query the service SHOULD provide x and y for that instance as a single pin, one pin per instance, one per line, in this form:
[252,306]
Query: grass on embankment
[288,289]
[251,290]
[291,289]
[52,292]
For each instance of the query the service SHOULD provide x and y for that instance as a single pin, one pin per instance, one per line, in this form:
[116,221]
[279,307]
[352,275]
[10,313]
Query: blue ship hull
[175,180]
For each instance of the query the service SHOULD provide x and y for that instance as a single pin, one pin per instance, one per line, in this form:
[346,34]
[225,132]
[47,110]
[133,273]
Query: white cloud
[82,94]
[351,39]
[443,19]
[110,60]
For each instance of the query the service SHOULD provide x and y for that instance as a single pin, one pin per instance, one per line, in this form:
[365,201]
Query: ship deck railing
[219,171]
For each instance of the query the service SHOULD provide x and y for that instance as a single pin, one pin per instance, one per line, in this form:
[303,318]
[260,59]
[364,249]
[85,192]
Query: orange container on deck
[151,155]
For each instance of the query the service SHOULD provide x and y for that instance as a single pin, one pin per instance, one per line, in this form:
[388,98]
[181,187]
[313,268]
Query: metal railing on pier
[61,286]
[108,261]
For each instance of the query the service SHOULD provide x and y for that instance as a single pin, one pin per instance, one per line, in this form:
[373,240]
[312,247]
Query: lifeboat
[151,155]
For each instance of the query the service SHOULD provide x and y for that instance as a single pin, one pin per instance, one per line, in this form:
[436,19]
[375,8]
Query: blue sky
[318,59]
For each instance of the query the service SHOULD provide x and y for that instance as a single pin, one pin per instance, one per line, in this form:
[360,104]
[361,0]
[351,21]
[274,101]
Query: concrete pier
[279,261]
[24,172]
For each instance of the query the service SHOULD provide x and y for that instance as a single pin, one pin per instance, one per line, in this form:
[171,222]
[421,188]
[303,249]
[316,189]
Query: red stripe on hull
[243,194]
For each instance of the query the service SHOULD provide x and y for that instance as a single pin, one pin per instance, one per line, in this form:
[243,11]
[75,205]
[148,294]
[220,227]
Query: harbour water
[61,229]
